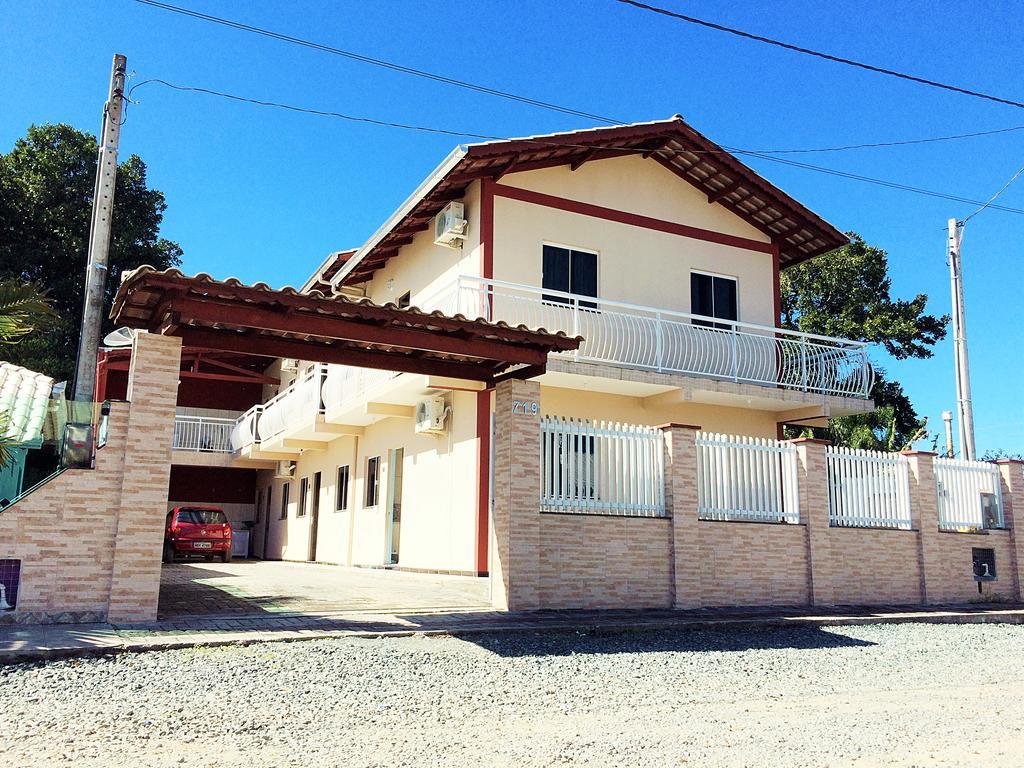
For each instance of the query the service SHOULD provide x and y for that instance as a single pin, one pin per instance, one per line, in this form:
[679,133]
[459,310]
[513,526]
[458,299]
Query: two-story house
[659,248]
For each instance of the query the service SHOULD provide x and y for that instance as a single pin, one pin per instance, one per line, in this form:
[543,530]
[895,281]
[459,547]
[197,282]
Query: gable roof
[799,232]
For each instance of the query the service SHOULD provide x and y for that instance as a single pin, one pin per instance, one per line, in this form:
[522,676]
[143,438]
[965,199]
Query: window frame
[341,487]
[551,299]
[259,504]
[285,493]
[373,487]
[300,509]
[405,297]
[726,324]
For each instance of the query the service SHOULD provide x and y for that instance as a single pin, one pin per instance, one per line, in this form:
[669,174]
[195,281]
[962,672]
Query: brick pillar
[681,505]
[152,393]
[812,474]
[515,514]
[1012,477]
[924,515]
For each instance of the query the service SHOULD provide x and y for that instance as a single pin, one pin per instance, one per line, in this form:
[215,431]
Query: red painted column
[483,399]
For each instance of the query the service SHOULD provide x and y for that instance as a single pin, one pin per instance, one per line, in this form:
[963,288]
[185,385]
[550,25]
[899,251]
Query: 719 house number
[525,407]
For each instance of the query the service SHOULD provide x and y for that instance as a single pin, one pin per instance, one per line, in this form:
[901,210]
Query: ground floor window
[285,490]
[341,500]
[303,493]
[372,480]
[259,504]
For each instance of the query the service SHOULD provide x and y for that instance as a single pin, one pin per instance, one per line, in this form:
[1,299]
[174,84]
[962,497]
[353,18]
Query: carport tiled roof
[232,316]
[24,401]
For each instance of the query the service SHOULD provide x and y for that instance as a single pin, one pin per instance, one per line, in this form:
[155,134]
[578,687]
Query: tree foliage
[847,293]
[46,190]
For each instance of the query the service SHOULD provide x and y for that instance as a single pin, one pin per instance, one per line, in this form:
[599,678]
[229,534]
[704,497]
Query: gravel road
[908,695]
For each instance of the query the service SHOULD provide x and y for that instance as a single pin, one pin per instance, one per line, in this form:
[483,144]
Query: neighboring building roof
[320,280]
[799,232]
[258,320]
[24,402]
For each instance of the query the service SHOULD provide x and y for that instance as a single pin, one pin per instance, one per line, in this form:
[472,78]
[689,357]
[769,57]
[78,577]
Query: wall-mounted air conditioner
[285,470]
[289,365]
[450,225]
[431,414]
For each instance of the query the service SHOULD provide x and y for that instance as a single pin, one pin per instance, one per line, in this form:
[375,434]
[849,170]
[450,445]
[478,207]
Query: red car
[197,532]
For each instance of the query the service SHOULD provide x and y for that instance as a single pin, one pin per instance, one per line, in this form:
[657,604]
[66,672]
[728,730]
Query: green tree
[46,190]
[847,293]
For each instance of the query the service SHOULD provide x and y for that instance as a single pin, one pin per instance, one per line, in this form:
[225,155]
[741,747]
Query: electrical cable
[564,145]
[820,54]
[374,61]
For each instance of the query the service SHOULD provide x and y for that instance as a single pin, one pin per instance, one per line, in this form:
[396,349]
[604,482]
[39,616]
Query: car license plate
[202,545]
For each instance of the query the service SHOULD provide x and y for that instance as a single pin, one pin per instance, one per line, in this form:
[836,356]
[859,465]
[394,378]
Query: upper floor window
[713,296]
[570,271]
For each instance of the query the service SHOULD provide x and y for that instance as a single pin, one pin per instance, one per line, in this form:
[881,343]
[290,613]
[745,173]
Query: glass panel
[583,276]
[725,298]
[555,275]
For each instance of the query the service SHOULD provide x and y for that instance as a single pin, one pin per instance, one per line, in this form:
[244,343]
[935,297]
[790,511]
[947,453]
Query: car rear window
[202,516]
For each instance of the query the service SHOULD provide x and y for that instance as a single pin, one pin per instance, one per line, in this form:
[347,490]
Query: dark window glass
[555,274]
[713,296]
[270,494]
[405,299]
[341,501]
[372,480]
[285,491]
[202,516]
[571,272]
[303,493]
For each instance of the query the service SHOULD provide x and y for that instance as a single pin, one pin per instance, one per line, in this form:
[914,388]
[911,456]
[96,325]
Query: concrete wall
[90,540]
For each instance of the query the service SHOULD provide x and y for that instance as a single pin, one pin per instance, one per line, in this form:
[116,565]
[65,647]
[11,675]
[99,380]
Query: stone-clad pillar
[813,482]
[924,515]
[681,505]
[1011,473]
[515,513]
[152,394]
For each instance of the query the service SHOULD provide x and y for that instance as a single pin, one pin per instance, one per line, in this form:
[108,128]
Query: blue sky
[262,194]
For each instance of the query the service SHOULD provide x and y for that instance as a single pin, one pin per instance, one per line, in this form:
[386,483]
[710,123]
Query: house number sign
[525,407]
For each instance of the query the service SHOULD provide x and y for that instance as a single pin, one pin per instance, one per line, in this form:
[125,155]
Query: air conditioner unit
[430,416]
[450,225]
[289,365]
[285,469]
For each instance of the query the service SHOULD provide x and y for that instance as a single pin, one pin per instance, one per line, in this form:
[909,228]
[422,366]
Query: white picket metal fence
[868,489]
[746,478]
[599,468]
[203,434]
[969,494]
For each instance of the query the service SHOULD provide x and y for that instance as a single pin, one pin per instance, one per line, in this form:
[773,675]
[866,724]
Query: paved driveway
[247,588]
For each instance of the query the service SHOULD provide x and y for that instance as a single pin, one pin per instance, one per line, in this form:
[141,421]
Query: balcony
[667,341]
[202,434]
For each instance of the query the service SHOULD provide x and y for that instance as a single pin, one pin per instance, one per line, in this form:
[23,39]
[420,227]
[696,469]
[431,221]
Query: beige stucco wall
[438,522]
[635,265]
[583,404]
[428,270]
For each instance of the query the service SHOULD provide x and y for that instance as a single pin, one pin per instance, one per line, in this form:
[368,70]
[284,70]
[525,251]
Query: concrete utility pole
[99,235]
[947,416]
[965,411]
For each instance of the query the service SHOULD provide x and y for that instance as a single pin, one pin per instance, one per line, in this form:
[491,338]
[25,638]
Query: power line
[564,145]
[820,54]
[906,142]
[988,203]
[374,61]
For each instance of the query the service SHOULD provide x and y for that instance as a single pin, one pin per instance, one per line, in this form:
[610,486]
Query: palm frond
[23,307]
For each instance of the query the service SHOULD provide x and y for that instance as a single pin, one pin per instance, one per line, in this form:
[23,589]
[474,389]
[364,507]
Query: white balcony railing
[203,434]
[668,341]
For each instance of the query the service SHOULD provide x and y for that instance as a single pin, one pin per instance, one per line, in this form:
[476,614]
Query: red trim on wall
[777,285]
[483,457]
[632,219]
[487,228]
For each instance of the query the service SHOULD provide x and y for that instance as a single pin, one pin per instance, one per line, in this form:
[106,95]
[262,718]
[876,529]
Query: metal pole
[99,235]
[965,411]
[947,416]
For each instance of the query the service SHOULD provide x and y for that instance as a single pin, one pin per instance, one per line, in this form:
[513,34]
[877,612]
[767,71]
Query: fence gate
[969,494]
[868,489]
[600,468]
[746,478]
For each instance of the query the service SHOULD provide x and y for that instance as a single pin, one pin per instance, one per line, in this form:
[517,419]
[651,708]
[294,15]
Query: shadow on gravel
[692,640]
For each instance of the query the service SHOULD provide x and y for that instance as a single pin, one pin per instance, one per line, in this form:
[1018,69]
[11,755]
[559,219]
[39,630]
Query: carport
[255,320]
